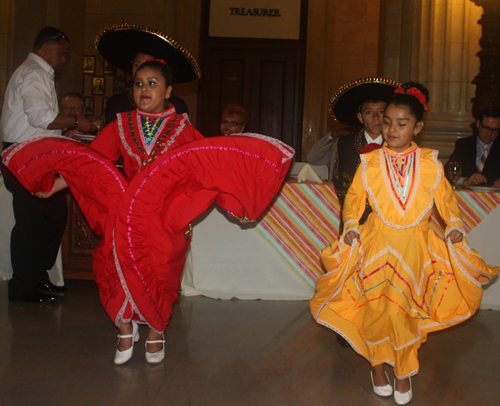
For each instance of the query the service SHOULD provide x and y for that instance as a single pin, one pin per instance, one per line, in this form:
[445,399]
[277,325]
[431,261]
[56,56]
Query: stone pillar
[442,37]
[487,80]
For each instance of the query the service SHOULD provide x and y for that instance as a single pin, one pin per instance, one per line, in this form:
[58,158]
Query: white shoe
[155,357]
[402,398]
[385,390]
[121,357]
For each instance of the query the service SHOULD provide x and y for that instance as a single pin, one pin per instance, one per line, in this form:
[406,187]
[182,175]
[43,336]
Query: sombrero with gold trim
[119,43]
[344,104]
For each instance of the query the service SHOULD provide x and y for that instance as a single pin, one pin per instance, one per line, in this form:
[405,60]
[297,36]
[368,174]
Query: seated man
[480,153]
[233,120]
[72,104]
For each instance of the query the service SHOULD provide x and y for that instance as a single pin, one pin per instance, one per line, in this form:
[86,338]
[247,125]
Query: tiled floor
[223,353]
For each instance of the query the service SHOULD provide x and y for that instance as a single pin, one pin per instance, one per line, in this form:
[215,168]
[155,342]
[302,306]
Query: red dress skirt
[144,223]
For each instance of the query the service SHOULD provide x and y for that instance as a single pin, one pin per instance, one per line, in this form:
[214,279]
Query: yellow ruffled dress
[385,293]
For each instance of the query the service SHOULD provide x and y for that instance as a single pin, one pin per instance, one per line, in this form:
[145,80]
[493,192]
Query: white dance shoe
[121,357]
[402,398]
[385,390]
[155,357]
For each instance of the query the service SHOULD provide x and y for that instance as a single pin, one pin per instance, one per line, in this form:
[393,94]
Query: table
[278,258]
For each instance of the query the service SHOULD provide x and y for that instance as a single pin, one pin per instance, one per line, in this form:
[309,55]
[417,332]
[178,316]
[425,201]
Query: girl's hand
[59,185]
[350,236]
[455,236]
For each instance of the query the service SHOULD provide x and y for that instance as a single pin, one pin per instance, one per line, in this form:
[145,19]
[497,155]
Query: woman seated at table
[233,120]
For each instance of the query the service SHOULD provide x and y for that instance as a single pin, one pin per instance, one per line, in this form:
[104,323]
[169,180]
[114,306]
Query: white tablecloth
[484,239]
[230,260]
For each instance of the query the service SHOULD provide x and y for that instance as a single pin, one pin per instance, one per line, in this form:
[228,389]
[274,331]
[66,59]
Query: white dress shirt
[379,140]
[30,103]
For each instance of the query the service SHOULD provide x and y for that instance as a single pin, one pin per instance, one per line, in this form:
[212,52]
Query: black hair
[360,108]
[410,101]
[161,67]
[48,35]
[489,112]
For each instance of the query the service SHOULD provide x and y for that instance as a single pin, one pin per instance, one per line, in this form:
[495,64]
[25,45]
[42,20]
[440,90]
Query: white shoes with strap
[121,357]
[402,398]
[385,390]
[158,356]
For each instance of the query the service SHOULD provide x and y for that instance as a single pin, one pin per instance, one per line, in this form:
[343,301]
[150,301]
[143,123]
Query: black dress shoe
[51,289]
[35,297]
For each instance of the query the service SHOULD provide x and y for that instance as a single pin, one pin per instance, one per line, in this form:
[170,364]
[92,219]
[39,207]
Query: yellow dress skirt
[398,281]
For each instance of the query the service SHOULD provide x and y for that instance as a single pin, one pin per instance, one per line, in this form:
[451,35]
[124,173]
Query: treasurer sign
[278,19]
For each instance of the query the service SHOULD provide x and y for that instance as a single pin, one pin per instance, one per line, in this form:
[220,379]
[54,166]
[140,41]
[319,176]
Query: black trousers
[36,236]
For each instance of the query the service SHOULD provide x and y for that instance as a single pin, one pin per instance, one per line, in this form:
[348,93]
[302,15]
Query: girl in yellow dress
[392,281]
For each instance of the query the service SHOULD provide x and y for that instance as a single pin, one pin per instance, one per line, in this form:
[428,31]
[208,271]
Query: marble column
[487,80]
[442,37]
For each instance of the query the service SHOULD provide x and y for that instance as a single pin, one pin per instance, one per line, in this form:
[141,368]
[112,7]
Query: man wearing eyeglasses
[31,109]
[480,154]
[72,104]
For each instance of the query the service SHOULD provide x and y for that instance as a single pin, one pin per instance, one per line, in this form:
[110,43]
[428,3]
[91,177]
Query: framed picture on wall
[89,106]
[119,84]
[98,85]
[89,64]
[109,69]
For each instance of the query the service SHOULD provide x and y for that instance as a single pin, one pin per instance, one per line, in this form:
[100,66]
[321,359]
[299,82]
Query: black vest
[344,167]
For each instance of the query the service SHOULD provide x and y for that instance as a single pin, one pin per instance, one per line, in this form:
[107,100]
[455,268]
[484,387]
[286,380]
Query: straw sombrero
[119,43]
[344,104]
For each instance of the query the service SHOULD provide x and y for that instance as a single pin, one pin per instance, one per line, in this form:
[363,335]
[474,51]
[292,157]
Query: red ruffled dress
[144,220]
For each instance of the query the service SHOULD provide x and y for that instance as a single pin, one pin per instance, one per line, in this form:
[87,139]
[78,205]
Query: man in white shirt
[30,110]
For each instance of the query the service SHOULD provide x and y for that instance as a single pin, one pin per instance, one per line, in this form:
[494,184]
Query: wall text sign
[276,19]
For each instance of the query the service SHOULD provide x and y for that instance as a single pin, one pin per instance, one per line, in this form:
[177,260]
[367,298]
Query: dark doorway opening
[265,76]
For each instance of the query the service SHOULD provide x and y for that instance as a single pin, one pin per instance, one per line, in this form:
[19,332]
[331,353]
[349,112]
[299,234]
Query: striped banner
[304,218]
[475,206]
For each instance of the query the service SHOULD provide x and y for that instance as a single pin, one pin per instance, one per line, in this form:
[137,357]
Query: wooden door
[266,77]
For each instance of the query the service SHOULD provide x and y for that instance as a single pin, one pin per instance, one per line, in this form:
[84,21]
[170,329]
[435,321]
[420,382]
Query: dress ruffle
[141,257]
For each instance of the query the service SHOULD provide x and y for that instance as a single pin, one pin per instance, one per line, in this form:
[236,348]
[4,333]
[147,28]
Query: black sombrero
[120,42]
[344,104]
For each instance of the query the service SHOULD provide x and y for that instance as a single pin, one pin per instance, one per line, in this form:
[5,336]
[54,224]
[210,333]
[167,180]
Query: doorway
[265,76]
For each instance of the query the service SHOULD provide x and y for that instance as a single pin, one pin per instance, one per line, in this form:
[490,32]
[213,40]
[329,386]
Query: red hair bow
[413,91]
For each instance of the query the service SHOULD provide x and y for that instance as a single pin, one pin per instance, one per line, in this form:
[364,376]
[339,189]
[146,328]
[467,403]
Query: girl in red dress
[172,175]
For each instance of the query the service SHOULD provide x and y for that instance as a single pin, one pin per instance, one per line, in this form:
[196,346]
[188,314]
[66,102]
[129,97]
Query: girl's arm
[354,207]
[108,141]
[447,205]
[59,185]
